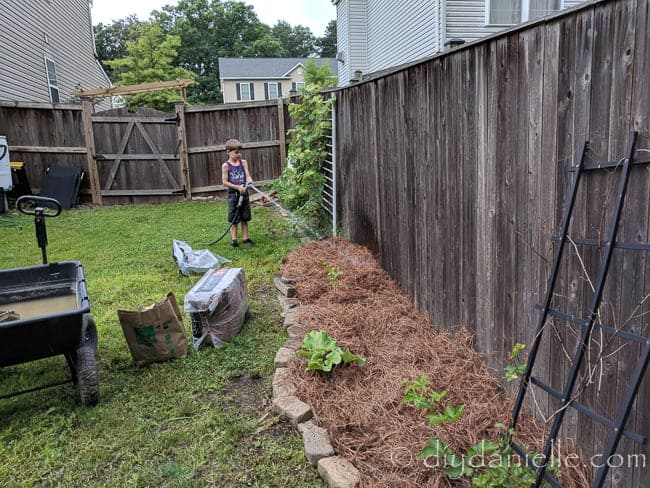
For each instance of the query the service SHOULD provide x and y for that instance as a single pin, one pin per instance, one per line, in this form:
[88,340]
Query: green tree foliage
[318,76]
[327,43]
[111,40]
[149,59]
[209,29]
[298,41]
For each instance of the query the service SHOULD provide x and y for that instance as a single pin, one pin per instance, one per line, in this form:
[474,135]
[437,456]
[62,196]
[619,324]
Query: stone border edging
[336,471]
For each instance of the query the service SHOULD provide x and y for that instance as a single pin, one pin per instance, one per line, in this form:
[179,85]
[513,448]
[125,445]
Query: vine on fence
[300,186]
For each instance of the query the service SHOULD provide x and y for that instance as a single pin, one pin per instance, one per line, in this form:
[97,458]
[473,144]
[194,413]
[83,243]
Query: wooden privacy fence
[454,172]
[148,156]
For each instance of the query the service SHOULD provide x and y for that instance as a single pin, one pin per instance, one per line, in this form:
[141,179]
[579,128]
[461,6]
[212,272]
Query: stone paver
[283,386]
[282,357]
[338,472]
[317,442]
[292,408]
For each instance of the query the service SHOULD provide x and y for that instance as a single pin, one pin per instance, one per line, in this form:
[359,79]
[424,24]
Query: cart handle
[49,207]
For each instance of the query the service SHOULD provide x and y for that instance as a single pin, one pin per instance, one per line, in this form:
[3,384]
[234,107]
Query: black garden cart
[45,311]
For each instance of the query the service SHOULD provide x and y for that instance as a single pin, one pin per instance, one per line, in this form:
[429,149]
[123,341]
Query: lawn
[188,422]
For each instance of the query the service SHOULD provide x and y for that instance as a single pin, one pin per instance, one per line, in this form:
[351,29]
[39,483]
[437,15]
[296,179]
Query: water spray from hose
[298,222]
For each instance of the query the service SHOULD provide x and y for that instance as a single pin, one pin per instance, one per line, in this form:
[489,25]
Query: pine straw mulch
[363,408]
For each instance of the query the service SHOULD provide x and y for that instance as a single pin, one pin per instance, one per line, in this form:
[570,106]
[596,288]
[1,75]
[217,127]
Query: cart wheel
[86,365]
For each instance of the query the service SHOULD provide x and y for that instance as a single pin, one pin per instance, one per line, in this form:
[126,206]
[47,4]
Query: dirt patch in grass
[247,393]
[344,291]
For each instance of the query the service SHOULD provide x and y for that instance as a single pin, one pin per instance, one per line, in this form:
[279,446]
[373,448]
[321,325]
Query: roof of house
[247,68]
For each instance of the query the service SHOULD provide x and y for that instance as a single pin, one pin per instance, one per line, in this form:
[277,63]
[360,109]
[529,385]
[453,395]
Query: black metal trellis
[586,324]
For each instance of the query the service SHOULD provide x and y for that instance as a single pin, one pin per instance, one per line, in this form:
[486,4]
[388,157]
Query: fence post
[182,150]
[282,134]
[93,173]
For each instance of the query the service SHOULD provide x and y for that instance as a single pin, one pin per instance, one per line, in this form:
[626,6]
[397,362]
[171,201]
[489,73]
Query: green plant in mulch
[323,353]
[333,274]
[517,366]
[486,464]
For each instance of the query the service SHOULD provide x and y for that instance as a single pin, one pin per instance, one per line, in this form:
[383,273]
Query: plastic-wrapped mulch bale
[190,261]
[217,305]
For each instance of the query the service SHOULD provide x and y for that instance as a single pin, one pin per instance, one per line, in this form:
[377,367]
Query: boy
[234,175]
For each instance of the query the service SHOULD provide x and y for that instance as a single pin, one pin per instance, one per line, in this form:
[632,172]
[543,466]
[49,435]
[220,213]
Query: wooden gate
[137,156]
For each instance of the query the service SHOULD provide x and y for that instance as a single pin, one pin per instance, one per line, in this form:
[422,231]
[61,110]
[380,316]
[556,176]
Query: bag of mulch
[217,305]
[190,261]
[155,333]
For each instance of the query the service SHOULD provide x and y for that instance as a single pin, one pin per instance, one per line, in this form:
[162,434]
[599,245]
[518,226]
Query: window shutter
[238,91]
[252,91]
[293,85]
[266,91]
[279,90]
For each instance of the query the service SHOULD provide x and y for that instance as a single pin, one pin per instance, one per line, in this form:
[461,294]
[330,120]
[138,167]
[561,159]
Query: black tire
[87,379]
[86,365]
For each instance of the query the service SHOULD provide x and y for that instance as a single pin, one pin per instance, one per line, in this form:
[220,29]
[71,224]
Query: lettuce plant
[323,353]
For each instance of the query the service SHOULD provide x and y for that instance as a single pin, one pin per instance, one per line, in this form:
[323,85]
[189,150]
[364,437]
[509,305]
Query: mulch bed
[363,408]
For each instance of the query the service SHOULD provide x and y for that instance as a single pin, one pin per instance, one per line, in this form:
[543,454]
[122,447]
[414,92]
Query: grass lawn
[185,423]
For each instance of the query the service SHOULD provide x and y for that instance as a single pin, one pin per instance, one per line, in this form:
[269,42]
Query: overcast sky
[315,14]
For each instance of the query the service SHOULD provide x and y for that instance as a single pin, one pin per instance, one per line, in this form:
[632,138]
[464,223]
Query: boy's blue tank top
[236,174]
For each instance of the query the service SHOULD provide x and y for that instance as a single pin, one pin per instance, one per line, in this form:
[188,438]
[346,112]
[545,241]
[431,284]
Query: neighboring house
[48,51]
[245,79]
[373,35]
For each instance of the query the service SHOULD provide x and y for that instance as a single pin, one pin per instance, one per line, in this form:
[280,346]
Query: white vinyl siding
[352,38]
[512,12]
[61,31]
[465,19]
[343,42]
[398,34]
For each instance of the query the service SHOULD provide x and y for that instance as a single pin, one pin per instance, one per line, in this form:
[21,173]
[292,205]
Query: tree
[298,41]
[318,77]
[209,29]
[111,40]
[327,43]
[149,59]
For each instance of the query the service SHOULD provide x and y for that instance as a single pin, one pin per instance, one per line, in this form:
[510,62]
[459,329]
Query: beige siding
[60,30]
[229,88]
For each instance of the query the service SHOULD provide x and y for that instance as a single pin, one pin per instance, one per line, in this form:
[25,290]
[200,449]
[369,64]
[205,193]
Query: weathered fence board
[147,156]
[484,136]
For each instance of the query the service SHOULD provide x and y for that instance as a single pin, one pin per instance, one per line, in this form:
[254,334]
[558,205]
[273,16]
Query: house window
[50,70]
[272,91]
[245,92]
[510,12]
[297,85]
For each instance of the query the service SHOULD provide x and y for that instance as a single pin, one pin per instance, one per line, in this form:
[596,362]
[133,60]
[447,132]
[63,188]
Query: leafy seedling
[323,353]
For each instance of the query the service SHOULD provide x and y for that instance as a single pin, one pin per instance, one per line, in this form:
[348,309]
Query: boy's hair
[232,145]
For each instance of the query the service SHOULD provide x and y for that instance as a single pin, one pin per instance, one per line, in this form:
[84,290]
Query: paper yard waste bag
[155,333]
[217,305]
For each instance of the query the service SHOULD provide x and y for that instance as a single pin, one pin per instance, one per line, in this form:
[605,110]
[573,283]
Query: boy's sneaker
[249,242]
[234,243]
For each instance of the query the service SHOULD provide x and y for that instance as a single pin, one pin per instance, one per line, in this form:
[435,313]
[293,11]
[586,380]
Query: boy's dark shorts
[244,210]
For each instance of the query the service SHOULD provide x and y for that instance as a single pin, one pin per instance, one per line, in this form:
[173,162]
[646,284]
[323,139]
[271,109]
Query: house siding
[465,19]
[352,39]
[343,41]
[399,35]
[374,35]
[60,30]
